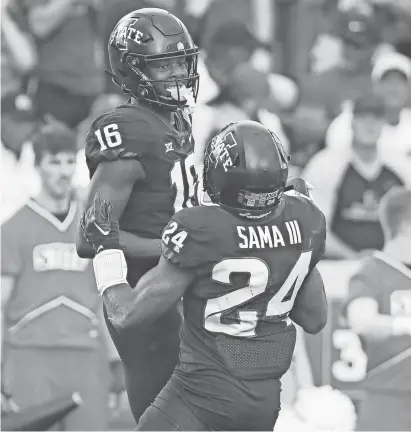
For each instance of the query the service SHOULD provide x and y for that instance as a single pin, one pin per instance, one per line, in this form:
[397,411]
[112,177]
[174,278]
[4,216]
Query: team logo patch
[169,146]
[124,32]
[220,150]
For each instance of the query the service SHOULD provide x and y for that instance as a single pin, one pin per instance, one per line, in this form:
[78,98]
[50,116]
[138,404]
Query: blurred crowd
[331,78]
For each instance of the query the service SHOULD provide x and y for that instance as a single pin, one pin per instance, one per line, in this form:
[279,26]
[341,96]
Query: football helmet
[148,35]
[245,169]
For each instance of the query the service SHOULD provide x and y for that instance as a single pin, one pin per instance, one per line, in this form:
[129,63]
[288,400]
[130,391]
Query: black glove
[98,228]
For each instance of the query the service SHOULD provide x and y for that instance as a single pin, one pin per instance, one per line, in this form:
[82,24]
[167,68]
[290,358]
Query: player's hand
[98,227]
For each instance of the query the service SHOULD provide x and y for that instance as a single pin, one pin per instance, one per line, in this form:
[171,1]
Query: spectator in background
[348,187]
[391,76]
[245,96]
[323,94]
[18,58]
[379,310]
[69,73]
[51,333]
[233,89]
[18,55]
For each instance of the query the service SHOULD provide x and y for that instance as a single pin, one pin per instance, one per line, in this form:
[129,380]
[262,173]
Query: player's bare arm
[157,291]
[115,181]
[310,307]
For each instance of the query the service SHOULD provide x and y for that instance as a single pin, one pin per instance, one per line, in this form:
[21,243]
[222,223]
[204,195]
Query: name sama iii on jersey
[258,237]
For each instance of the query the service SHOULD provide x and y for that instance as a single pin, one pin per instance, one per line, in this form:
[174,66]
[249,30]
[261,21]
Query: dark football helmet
[148,35]
[245,169]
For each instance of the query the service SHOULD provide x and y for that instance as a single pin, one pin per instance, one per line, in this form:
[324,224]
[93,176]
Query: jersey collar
[62,226]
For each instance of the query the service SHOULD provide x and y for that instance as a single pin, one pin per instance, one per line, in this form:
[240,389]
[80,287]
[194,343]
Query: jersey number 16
[183,179]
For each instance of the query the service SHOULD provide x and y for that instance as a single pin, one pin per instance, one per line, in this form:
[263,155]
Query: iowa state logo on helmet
[220,150]
[124,32]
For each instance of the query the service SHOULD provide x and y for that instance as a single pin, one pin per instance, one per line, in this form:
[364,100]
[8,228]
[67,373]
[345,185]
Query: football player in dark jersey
[140,156]
[246,269]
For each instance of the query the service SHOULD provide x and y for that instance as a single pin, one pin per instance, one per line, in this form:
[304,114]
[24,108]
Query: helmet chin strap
[181,94]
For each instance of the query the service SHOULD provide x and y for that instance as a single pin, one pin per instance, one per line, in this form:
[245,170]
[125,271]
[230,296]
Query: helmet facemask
[181,93]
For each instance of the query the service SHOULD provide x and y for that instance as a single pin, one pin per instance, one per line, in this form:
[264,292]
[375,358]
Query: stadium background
[287,35]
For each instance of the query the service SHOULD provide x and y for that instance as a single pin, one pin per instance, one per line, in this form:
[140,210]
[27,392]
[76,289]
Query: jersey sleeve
[186,242]
[11,254]
[115,136]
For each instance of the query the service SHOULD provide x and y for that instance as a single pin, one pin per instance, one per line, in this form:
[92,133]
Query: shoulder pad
[118,134]
[189,238]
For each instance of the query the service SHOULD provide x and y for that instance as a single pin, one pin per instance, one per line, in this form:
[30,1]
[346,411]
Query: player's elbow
[124,319]
[315,326]
[311,320]
[119,323]
[124,322]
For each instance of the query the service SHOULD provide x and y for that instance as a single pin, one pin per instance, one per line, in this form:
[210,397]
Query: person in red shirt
[379,311]
[52,335]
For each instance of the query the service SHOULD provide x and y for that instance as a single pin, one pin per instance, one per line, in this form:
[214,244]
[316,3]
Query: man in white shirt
[391,77]
[349,185]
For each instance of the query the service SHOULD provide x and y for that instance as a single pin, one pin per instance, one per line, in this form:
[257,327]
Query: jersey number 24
[259,281]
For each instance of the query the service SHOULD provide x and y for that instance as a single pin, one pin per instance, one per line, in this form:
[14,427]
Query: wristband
[110,268]
[401,326]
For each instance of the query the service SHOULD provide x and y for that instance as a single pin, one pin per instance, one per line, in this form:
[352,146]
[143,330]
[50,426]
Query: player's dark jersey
[135,132]
[237,339]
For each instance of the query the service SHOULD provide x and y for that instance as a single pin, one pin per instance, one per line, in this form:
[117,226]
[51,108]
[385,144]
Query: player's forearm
[336,248]
[309,320]
[310,310]
[117,301]
[303,371]
[135,246]
[128,307]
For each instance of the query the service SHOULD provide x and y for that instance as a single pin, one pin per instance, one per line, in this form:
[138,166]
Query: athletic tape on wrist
[110,268]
